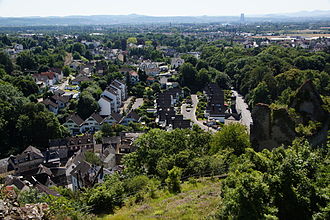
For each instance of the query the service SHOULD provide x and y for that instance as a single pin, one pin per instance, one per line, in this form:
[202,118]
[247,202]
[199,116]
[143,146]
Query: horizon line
[237,15]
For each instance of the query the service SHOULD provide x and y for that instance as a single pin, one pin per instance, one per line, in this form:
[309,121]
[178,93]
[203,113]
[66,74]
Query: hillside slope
[196,201]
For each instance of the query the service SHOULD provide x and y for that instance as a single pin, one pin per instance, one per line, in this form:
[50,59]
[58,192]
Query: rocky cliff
[274,126]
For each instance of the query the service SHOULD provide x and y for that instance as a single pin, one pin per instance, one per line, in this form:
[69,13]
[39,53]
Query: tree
[37,125]
[188,76]
[6,62]
[202,79]
[79,48]
[105,197]
[66,71]
[260,94]
[132,40]
[201,64]
[189,59]
[222,80]
[107,130]
[27,61]
[246,196]
[174,179]
[2,73]
[11,104]
[233,136]
[86,105]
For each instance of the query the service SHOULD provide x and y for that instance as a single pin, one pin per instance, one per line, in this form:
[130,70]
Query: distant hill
[142,19]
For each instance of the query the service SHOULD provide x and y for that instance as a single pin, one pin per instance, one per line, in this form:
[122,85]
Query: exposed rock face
[10,209]
[308,103]
[273,127]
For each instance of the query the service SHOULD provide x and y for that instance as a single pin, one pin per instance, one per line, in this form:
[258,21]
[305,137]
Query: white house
[117,90]
[152,71]
[114,118]
[92,123]
[74,123]
[123,88]
[176,62]
[148,65]
[107,105]
[130,117]
[112,94]
[46,78]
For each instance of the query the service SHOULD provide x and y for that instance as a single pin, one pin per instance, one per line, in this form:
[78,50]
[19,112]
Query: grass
[197,200]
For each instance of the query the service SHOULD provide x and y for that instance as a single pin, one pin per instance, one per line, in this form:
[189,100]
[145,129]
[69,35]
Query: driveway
[191,114]
[246,118]
[138,103]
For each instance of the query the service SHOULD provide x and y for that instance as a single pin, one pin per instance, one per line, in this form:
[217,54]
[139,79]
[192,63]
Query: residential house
[73,123]
[79,79]
[150,68]
[176,62]
[92,124]
[113,118]
[27,161]
[115,147]
[133,77]
[215,109]
[130,117]
[118,92]
[151,80]
[46,78]
[56,102]
[122,85]
[51,106]
[152,71]
[75,65]
[125,70]
[86,175]
[148,65]
[66,147]
[106,105]
[113,95]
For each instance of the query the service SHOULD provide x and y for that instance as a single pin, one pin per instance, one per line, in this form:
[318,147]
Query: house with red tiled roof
[46,78]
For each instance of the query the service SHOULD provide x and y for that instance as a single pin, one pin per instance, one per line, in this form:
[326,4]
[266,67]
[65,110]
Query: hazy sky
[20,8]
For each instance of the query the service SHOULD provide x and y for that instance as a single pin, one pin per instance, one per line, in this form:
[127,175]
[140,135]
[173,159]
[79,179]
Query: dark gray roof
[76,119]
[82,168]
[97,118]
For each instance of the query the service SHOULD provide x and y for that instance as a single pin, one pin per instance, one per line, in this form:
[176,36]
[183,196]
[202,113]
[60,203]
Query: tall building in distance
[242,18]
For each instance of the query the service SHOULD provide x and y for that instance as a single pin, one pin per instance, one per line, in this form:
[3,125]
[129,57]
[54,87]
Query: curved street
[191,114]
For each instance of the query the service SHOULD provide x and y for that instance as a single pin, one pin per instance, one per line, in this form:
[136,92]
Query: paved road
[243,107]
[125,104]
[192,114]
[138,103]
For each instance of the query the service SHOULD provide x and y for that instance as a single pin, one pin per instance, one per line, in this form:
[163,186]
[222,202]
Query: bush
[173,180]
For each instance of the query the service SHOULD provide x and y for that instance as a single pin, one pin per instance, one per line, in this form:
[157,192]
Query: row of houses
[167,118]
[64,163]
[76,125]
[215,108]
